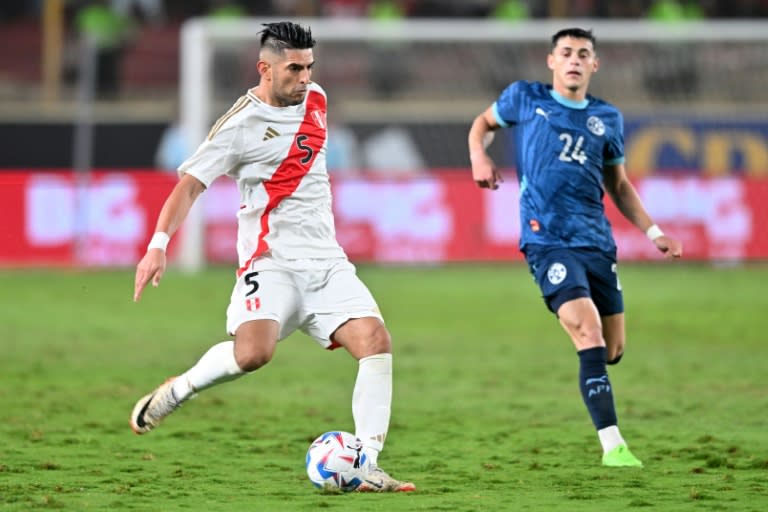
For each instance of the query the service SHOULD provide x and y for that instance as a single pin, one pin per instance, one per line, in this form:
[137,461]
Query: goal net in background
[431,77]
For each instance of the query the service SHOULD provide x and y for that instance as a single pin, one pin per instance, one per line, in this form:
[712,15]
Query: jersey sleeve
[217,155]
[506,109]
[614,148]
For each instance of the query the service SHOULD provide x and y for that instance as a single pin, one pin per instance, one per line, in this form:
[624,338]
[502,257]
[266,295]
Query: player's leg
[257,330]
[615,451]
[253,347]
[581,321]
[350,318]
[368,340]
[564,277]
[254,344]
[607,296]
[614,335]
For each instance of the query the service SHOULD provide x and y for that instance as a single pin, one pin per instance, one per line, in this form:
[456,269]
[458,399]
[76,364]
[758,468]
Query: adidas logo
[270,133]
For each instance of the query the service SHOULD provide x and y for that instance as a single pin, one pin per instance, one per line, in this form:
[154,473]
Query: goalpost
[448,70]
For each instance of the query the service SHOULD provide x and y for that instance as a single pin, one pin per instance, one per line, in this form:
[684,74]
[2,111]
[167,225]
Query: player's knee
[586,334]
[249,361]
[378,341]
[364,337]
[252,356]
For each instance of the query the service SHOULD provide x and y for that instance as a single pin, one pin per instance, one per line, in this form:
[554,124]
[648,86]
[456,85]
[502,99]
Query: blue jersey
[561,148]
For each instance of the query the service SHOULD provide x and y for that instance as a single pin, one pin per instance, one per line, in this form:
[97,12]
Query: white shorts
[315,296]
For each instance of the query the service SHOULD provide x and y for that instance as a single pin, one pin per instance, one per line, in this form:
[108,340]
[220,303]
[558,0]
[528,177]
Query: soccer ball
[335,461]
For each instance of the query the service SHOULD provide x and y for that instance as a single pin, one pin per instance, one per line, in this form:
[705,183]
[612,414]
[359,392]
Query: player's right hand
[151,267]
[485,174]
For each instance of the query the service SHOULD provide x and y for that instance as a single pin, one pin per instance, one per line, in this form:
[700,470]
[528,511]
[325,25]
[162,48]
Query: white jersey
[277,157]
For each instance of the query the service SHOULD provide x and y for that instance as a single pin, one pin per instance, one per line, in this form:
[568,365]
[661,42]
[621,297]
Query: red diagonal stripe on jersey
[290,172]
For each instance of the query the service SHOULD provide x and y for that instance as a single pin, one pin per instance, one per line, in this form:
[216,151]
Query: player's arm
[481,133]
[174,211]
[630,205]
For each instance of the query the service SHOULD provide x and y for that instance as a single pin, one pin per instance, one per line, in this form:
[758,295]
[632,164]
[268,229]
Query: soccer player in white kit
[293,274]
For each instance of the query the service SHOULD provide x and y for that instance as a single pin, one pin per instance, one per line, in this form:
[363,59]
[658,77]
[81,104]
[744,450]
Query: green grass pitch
[487,414]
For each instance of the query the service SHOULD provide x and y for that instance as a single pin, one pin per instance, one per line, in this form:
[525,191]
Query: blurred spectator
[294,7]
[343,152]
[675,11]
[226,10]
[675,75]
[227,60]
[150,11]
[388,70]
[392,151]
[384,10]
[173,148]
[344,8]
[109,32]
[511,10]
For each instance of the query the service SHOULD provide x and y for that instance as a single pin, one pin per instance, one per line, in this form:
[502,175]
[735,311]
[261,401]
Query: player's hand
[671,247]
[151,267]
[485,174]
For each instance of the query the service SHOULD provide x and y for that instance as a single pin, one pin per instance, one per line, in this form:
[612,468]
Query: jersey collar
[581,105]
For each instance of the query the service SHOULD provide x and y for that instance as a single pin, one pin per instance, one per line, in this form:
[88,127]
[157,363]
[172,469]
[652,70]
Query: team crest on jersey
[595,125]
[557,273]
[318,116]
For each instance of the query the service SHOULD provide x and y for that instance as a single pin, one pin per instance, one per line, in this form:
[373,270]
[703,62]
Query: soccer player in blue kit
[569,150]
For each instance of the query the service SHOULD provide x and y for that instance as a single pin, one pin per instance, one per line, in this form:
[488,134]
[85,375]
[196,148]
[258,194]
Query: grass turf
[486,415]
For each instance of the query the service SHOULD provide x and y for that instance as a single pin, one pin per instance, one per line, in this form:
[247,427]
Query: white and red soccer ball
[335,460]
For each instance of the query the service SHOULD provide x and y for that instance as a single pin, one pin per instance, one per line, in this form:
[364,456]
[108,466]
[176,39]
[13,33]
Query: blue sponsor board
[668,145]
[712,147]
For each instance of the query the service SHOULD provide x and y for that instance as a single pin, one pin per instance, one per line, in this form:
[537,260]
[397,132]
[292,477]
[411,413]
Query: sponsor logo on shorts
[557,273]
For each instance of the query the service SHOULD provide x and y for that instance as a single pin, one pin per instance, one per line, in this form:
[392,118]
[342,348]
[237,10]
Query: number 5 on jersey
[253,303]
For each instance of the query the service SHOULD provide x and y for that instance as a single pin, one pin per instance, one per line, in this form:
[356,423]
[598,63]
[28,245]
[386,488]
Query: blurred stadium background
[100,100]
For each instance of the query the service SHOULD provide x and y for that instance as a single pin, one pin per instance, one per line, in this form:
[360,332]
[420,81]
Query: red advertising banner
[50,218]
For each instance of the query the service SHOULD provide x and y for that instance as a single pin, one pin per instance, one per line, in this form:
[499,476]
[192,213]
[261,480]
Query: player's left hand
[670,247]
[151,267]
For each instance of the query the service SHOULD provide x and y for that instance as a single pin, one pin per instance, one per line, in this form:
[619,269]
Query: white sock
[610,438]
[216,366]
[371,403]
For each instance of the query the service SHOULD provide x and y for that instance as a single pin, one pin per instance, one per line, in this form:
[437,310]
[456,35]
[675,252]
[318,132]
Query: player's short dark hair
[576,33]
[285,35]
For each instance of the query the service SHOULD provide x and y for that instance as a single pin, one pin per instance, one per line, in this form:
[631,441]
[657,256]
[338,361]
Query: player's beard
[289,100]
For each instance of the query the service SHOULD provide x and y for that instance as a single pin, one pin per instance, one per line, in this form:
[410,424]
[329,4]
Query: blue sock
[596,388]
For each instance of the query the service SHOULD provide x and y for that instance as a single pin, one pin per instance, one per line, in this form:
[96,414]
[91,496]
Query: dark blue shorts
[565,274]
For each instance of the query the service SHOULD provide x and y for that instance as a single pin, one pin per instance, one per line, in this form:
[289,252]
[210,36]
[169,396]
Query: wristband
[159,241]
[654,232]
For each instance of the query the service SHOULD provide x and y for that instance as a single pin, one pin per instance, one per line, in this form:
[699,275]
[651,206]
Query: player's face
[290,77]
[572,63]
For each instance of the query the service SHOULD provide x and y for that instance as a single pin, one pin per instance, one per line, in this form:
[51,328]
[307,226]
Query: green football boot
[621,457]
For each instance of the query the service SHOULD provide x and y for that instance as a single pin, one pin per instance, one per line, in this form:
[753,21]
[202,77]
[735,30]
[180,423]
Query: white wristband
[159,241]
[654,232]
